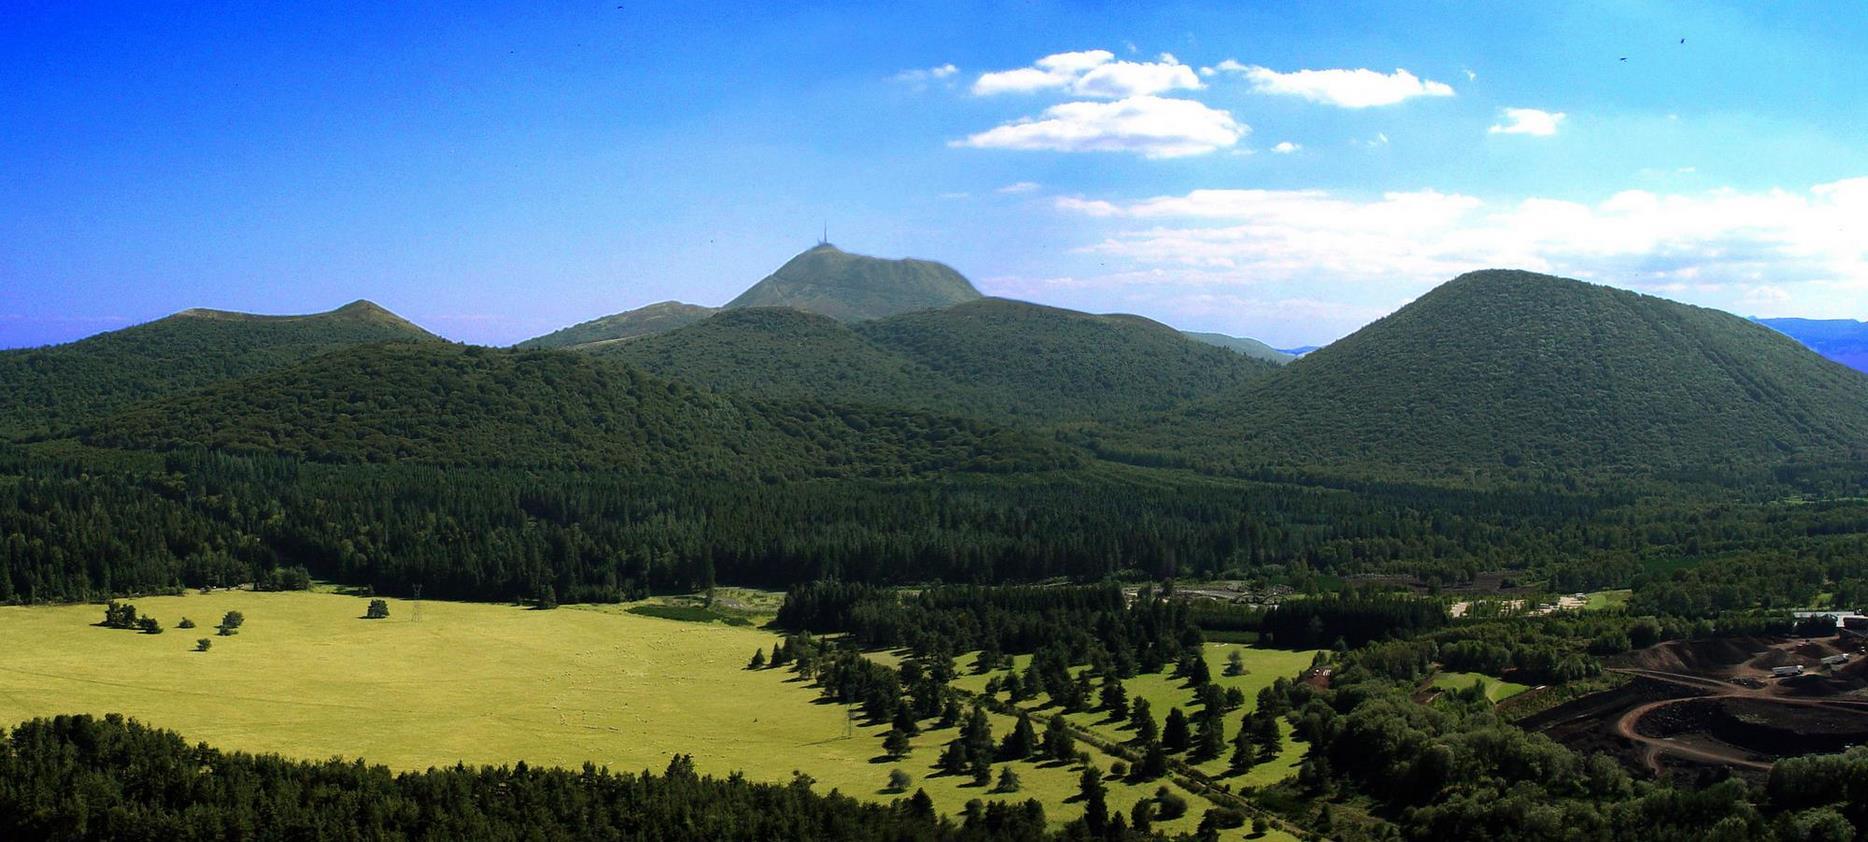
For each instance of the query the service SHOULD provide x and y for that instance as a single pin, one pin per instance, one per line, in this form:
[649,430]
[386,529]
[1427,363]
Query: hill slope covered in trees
[642,321]
[1243,345]
[49,390]
[442,404]
[1050,364]
[993,359]
[852,287]
[1520,369]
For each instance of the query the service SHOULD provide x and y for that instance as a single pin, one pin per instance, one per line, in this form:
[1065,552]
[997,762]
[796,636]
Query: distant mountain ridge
[853,287]
[46,390]
[1842,340]
[1248,347]
[660,317]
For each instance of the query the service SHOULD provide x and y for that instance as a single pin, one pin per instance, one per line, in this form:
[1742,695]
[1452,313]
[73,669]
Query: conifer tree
[1023,740]
[1175,736]
[1059,743]
[1115,698]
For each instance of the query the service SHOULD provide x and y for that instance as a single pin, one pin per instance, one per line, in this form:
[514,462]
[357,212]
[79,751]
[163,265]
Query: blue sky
[495,171]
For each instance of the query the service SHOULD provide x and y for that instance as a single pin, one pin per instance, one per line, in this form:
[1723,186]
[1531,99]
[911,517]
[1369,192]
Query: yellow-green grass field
[1496,689]
[306,677]
[1165,692]
[1607,599]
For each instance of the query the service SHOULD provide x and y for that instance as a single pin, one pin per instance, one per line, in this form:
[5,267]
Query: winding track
[1710,688]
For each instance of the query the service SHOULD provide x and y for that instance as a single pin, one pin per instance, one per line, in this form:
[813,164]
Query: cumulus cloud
[1754,252]
[1362,88]
[1155,127]
[1094,73]
[1286,147]
[1529,121]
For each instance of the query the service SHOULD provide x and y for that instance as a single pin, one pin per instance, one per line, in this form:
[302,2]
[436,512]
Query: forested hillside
[1502,368]
[50,390]
[452,405]
[852,287]
[779,352]
[643,321]
[1243,345]
[1047,364]
[1006,361]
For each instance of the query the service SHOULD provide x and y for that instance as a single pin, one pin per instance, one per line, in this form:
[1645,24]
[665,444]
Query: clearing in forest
[307,677]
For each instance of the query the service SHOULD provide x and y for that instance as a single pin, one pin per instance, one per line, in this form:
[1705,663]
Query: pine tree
[1095,807]
[1142,717]
[1210,739]
[1153,763]
[949,715]
[1115,698]
[1022,741]
[904,720]
[1014,689]
[758,660]
[895,744]
[1175,735]
[1270,740]
[1197,671]
[1059,744]
[1244,750]
[1008,781]
[1235,663]
[1141,816]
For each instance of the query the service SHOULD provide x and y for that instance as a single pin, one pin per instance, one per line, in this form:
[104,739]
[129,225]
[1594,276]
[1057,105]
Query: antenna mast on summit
[824,240]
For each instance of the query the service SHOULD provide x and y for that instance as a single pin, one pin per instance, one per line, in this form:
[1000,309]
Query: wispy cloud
[1529,121]
[1155,127]
[1093,73]
[1018,187]
[1724,247]
[1361,88]
[1286,147]
[920,78]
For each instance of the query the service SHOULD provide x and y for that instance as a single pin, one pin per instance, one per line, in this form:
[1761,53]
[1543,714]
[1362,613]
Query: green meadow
[1165,692]
[1496,689]
[307,677]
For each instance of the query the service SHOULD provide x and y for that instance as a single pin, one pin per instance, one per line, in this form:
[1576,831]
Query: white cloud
[1750,251]
[956,195]
[1286,147]
[1362,88]
[1529,121]
[1018,187]
[1155,127]
[920,77]
[1093,73]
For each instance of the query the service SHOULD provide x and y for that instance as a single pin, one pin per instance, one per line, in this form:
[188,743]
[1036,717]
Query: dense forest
[1005,361]
[82,778]
[1515,369]
[453,405]
[48,391]
[91,524]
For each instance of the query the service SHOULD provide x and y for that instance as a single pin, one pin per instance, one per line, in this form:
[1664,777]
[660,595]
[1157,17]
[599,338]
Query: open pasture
[307,677]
